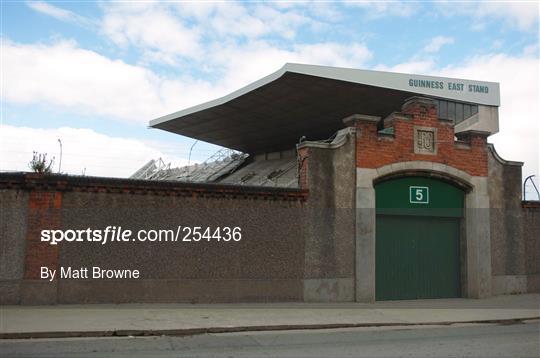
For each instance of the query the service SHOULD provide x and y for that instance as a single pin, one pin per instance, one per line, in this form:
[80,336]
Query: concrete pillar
[365,235]
[365,214]
[477,231]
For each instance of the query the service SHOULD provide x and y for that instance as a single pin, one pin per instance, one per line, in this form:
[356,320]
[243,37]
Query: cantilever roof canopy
[304,100]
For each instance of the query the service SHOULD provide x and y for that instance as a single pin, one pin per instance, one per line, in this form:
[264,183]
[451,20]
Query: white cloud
[57,12]
[84,151]
[412,66]
[88,83]
[171,32]
[334,54]
[221,19]
[241,65]
[152,28]
[378,9]
[522,15]
[532,50]
[436,43]
[325,11]
[284,23]
[234,19]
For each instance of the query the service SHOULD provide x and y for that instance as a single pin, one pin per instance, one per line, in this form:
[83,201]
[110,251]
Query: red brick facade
[43,213]
[374,150]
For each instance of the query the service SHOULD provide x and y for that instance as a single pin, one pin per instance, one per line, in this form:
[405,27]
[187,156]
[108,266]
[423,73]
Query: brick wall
[268,264]
[374,150]
[44,212]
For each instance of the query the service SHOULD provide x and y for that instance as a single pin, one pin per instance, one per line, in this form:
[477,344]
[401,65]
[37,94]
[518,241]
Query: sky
[93,74]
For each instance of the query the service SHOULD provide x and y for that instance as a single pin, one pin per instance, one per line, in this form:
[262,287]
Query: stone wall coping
[63,182]
[339,140]
[501,160]
[531,204]
[353,118]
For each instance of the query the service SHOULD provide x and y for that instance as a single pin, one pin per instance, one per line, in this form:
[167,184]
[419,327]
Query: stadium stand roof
[298,100]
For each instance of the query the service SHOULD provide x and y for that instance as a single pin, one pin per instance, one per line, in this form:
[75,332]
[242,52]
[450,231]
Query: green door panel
[438,259]
[395,257]
[417,248]
[393,197]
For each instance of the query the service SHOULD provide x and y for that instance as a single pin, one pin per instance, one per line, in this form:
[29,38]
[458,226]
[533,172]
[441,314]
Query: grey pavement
[156,319]
[468,340]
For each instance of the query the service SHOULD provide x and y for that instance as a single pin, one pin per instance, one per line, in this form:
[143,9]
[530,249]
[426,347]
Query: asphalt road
[518,340]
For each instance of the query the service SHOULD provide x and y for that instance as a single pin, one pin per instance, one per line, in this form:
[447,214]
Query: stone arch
[476,224]
[429,169]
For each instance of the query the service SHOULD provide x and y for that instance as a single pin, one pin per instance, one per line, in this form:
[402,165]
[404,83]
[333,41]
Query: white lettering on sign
[418,195]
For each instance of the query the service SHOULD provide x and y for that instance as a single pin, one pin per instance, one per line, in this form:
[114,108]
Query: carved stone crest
[425,140]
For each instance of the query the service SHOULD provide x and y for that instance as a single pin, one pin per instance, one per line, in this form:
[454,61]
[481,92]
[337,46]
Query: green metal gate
[417,243]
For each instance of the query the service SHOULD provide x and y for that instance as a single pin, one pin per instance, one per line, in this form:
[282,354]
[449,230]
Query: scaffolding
[221,163]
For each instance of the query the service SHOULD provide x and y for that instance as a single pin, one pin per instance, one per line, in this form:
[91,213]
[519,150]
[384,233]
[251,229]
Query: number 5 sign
[418,195]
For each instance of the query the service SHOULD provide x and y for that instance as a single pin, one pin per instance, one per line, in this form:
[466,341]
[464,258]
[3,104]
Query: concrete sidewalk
[186,319]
